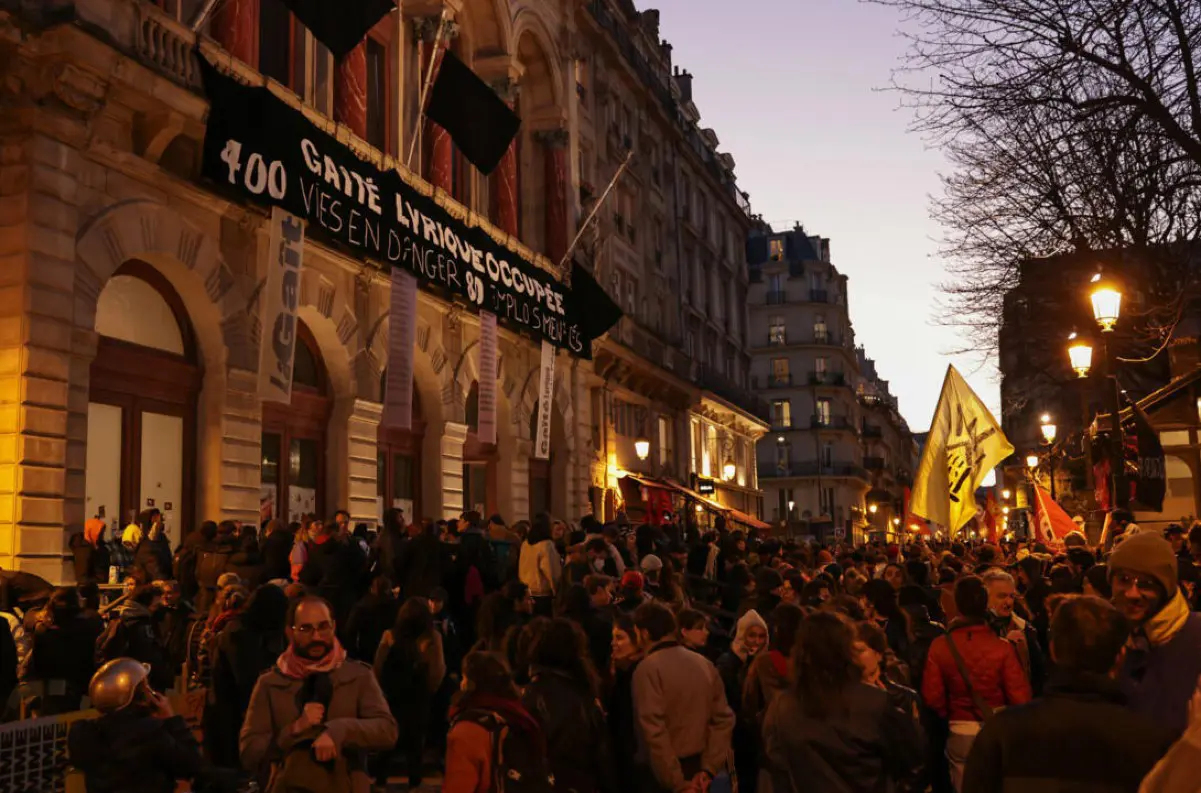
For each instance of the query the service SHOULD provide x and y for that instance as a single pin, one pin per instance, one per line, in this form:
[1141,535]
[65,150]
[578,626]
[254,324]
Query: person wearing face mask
[1002,594]
[1164,661]
[315,704]
[138,744]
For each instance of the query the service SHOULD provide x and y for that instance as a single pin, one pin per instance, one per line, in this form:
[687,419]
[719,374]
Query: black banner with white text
[259,147]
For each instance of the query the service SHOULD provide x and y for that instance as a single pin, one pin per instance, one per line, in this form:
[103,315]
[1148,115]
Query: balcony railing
[715,381]
[872,431]
[777,298]
[832,423]
[812,468]
[819,296]
[779,380]
[827,378]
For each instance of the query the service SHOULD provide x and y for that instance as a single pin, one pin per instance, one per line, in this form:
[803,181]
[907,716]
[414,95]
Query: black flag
[339,24]
[1144,453]
[596,309]
[479,121]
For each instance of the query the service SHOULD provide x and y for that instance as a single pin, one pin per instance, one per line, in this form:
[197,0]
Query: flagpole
[599,203]
[203,14]
[425,87]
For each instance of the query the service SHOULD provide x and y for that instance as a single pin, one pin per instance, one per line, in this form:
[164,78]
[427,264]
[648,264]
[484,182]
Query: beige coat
[680,710]
[357,719]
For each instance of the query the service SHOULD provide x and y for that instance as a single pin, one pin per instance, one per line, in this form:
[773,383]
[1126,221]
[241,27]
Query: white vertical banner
[280,301]
[546,395]
[487,393]
[402,334]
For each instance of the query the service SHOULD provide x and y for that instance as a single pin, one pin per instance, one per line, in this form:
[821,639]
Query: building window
[782,458]
[779,372]
[781,413]
[821,365]
[828,454]
[775,249]
[667,442]
[698,447]
[827,499]
[377,94]
[822,409]
[281,45]
[821,333]
[712,463]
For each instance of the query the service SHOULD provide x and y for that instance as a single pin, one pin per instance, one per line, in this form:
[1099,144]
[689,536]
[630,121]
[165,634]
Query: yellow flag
[965,442]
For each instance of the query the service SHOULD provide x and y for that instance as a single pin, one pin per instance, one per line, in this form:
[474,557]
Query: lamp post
[1048,430]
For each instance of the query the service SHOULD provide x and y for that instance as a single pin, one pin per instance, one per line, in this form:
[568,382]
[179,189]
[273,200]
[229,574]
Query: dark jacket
[577,741]
[335,568]
[1080,736]
[732,669]
[126,752]
[623,738]
[8,664]
[861,750]
[66,653]
[1159,681]
[276,550]
[154,558]
[423,564]
[91,561]
[242,654]
[171,624]
[135,638]
[368,620]
[248,564]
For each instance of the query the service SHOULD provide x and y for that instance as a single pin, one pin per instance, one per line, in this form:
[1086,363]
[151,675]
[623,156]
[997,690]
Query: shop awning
[695,496]
[747,520]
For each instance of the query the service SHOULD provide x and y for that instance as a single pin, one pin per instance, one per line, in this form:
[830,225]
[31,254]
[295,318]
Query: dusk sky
[794,92]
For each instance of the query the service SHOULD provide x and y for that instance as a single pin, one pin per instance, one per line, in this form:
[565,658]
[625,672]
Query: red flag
[1052,523]
[990,514]
[913,522]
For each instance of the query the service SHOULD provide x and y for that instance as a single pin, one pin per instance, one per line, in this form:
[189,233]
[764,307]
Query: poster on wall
[487,394]
[259,148]
[267,507]
[301,501]
[546,395]
[279,303]
[402,334]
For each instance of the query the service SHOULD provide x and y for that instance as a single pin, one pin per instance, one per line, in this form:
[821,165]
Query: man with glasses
[1164,661]
[316,700]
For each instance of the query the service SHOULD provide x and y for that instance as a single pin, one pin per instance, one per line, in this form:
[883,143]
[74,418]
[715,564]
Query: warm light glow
[1032,461]
[642,447]
[729,470]
[872,508]
[699,508]
[791,506]
[1048,429]
[611,472]
[1004,510]
[780,439]
[896,521]
[1080,353]
[1005,494]
[1107,306]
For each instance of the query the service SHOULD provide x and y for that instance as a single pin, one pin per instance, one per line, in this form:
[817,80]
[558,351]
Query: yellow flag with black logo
[964,443]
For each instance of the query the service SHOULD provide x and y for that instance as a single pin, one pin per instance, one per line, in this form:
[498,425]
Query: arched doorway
[479,462]
[398,462]
[142,402]
[294,438]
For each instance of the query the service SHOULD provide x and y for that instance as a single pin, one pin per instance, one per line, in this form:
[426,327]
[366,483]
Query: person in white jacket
[540,567]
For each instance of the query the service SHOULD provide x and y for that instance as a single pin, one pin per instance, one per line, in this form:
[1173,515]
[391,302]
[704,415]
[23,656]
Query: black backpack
[210,565]
[519,762]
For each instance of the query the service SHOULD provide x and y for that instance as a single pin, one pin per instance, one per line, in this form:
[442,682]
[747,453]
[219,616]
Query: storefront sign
[402,333]
[546,395]
[280,301]
[260,148]
[705,487]
[486,430]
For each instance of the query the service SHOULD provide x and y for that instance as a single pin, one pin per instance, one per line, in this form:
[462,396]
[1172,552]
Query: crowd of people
[596,658]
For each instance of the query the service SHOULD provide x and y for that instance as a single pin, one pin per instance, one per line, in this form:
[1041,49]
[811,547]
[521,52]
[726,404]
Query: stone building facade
[129,318]
[839,454]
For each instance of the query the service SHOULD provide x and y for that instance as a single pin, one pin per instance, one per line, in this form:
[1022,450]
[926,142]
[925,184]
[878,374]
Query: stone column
[240,419]
[519,478]
[38,224]
[454,435]
[504,178]
[350,91]
[234,26]
[363,431]
[554,143]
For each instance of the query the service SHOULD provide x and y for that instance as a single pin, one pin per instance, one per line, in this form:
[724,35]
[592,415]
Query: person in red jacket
[978,674]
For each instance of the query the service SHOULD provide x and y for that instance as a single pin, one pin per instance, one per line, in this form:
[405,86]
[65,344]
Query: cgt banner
[546,395]
[281,298]
[259,147]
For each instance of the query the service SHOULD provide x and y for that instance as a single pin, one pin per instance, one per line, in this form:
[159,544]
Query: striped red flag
[1052,524]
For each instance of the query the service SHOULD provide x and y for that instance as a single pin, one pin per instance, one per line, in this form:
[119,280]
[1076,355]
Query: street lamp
[642,448]
[791,507]
[1107,304]
[729,470]
[1048,429]
[1005,494]
[1032,461]
[872,508]
[1080,353]
[1004,510]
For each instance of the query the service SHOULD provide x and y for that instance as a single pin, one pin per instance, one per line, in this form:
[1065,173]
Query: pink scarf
[298,668]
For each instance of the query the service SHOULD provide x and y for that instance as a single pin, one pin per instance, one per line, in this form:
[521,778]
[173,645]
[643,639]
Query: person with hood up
[1163,663]
[489,703]
[540,566]
[152,552]
[750,637]
[91,553]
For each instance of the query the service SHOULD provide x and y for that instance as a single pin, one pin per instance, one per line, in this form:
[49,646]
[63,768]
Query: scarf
[510,710]
[1164,626]
[297,667]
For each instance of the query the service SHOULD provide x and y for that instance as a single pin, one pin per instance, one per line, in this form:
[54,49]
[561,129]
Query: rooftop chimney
[665,50]
[684,82]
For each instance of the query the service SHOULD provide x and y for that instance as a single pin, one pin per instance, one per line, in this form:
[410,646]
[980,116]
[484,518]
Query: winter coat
[863,749]
[91,561]
[429,647]
[171,625]
[540,568]
[335,569]
[276,549]
[135,638]
[8,664]
[680,709]
[732,668]
[766,678]
[623,736]
[241,655]
[1080,736]
[249,567]
[127,752]
[424,563]
[357,719]
[991,662]
[368,621]
[66,653]
[577,741]
[1159,681]
[154,558]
